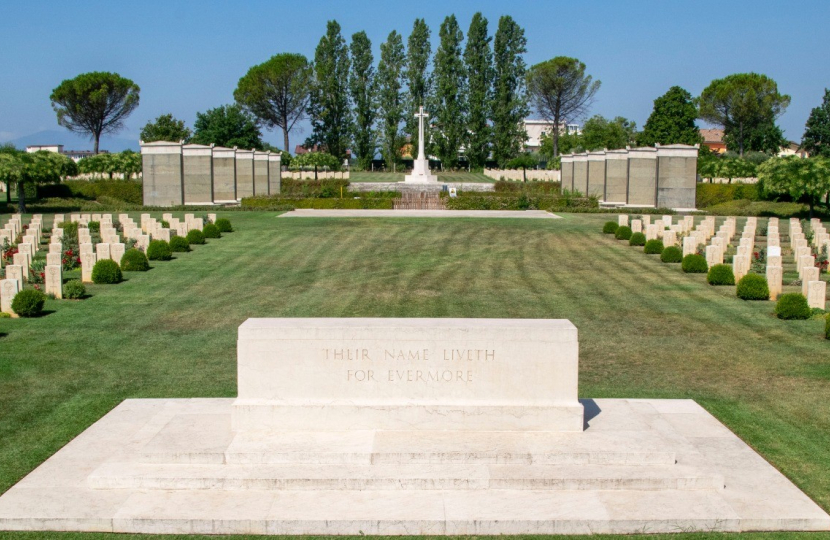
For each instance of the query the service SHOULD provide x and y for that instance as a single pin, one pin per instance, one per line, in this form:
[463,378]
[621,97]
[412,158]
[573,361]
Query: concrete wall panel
[616,180]
[244,174]
[677,184]
[162,179]
[198,179]
[642,181]
[261,186]
[224,179]
[596,177]
[581,176]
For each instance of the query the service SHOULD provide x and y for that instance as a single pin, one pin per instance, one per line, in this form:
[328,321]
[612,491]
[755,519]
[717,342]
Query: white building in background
[536,128]
[75,155]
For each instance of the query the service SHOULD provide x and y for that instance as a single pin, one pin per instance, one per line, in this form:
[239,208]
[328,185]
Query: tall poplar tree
[391,99]
[478,60]
[362,87]
[509,96]
[418,78]
[328,106]
[450,107]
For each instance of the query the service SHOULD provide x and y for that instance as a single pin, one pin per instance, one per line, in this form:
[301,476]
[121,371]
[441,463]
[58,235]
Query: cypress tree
[362,87]
[816,138]
[328,107]
[510,106]
[391,98]
[478,60]
[449,109]
[418,77]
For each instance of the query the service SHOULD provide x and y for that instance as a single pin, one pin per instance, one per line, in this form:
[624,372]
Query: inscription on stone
[395,372]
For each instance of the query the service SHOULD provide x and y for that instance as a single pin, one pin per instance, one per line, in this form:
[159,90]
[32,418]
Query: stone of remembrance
[407,426]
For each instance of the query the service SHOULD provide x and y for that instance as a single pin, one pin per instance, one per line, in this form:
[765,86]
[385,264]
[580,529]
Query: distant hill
[73,141]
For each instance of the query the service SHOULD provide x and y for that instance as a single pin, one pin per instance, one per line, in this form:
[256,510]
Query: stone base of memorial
[407,426]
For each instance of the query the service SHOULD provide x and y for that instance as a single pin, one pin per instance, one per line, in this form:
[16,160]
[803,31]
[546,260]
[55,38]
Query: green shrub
[74,290]
[695,264]
[165,223]
[195,237]
[712,194]
[134,260]
[130,191]
[106,271]
[94,226]
[70,229]
[224,225]
[792,306]
[753,287]
[671,254]
[827,327]
[720,274]
[211,231]
[610,227]
[179,244]
[637,239]
[4,315]
[653,247]
[159,250]
[623,233]
[29,303]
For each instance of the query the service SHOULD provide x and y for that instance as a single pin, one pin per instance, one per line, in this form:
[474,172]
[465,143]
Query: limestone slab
[520,214]
[428,498]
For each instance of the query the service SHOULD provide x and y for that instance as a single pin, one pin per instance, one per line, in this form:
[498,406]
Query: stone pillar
[567,167]
[275,174]
[596,175]
[616,176]
[244,174]
[162,173]
[581,173]
[224,174]
[642,177]
[198,174]
[261,184]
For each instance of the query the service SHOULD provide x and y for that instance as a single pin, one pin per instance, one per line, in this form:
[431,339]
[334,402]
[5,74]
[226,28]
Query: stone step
[642,448]
[116,475]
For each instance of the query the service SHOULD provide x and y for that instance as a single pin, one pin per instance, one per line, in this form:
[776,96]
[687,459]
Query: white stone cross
[420,115]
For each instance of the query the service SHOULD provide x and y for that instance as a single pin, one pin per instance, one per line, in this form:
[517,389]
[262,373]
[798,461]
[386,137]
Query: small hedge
[653,247]
[695,264]
[224,225]
[211,231]
[637,239]
[106,272]
[74,290]
[753,287]
[159,250]
[195,237]
[623,233]
[179,244]
[134,260]
[29,303]
[827,327]
[671,254]
[721,274]
[610,227]
[792,306]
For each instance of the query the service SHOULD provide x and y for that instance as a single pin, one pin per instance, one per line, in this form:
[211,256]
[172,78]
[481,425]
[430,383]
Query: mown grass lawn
[646,329]
[460,176]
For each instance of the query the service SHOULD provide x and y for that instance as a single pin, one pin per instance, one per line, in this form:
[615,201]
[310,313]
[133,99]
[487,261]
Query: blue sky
[188,56]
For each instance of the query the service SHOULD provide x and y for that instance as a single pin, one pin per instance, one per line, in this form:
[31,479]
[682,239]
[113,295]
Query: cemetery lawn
[460,176]
[646,329]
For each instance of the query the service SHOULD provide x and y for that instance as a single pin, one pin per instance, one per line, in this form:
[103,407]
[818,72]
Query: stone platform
[521,214]
[176,466]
